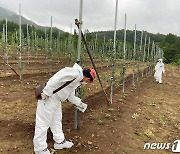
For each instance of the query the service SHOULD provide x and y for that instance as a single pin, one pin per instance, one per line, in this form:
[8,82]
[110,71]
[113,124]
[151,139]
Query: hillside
[129,35]
[12,16]
[146,113]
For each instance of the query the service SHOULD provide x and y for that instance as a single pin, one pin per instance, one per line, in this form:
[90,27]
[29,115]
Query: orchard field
[145,112]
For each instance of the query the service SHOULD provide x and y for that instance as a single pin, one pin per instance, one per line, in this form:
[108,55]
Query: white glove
[82,107]
[44,96]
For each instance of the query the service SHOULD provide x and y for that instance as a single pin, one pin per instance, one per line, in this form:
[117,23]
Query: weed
[54,151]
[177,126]
[110,109]
[152,104]
[163,120]
[121,100]
[100,122]
[107,116]
[125,94]
[91,117]
[149,133]
[125,149]
[135,115]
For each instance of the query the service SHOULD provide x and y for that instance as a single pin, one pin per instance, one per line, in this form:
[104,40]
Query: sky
[155,16]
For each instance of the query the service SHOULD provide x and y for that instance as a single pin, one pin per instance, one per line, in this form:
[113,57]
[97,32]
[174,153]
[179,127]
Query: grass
[126,149]
[152,104]
[110,109]
[163,120]
[125,94]
[107,116]
[177,126]
[149,133]
[91,117]
[100,122]
[121,100]
[53,151]
[135,115]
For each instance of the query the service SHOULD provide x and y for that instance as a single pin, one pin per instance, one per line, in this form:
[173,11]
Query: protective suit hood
[78,67]
[160,60]
[159,69]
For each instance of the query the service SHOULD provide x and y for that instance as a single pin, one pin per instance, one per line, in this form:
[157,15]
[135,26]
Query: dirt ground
[145,113]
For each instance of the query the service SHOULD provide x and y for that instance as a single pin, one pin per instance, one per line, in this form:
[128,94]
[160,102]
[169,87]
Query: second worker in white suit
[159,69]
[49,112]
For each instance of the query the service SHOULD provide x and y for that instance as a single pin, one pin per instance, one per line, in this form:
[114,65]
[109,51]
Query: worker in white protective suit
[159,69]
[49,112]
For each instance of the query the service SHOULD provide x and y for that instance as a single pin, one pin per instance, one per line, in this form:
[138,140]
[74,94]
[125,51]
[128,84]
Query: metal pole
[35,43]
[148,59]
[114,52]
[140,51]
[148,48]
[50,52]
[28,43]
[20,45]
[51,36]
[124,47]
[141,45]
[45,44]
[134,42]
[58,46]
[104,44]
[134,54]
[96,43]
[3,39]
[80,29]
[76,114]
[144,56]
[6,48]
[59,43]
[152,52]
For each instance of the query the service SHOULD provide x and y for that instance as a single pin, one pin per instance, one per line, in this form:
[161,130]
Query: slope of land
[146,113]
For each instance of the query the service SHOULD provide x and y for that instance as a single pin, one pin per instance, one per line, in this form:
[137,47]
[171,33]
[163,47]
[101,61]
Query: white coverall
[159,69]
[49,112]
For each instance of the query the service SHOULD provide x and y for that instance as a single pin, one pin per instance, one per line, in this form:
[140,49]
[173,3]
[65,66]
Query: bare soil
[146,112]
